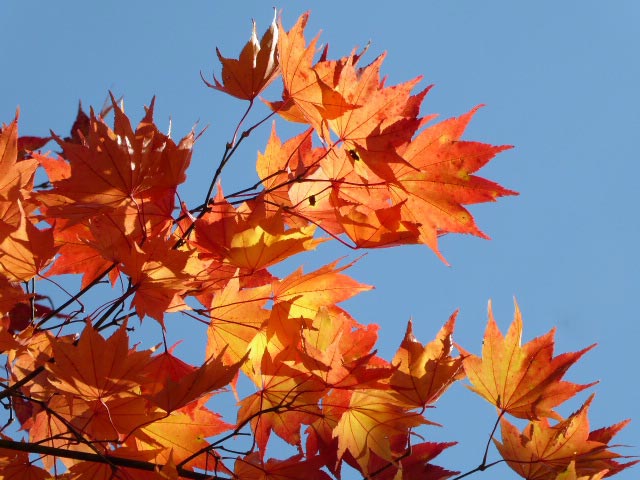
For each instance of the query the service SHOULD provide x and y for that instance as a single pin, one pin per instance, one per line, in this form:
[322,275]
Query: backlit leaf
[525,381]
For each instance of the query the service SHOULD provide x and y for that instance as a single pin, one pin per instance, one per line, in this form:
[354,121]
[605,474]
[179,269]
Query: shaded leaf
[97,368]
[252,467]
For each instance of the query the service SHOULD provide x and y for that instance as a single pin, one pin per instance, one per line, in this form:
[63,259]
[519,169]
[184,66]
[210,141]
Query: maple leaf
[15,465]
[27,144]
[33,354]
[161,275]
[437,180]
[237,316]
[524,381]
[570,474]
[324,344]
[163,368]
[252,467]
[282,164]
[427,179]
[79,252]
[25,312]
[369,420]
[325,286]
[543,451]
[254,70]
[306,97]
[425,372]
[10,295]
[250,237]
[312,201]
[320,439]
[51,430]
[97,368]
[287,399]
[385,121]
[371,227]
[16,176]
[129,175]
[182,434]
[103,421]
[26,251]
[416,465]
[297,299]
[82,124]
[178,391]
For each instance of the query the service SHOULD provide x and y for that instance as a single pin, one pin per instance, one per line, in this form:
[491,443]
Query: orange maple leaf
[327,351]
[571,474]
[26,250]
[373,223]
[369,420]
[282,164]
[543,451]
[97,368]
[177,392]
[425,372]
[312,201]
[182,434]
[34,352]
[299,297]
[51,430]
[161,275]
[16,176]
[252,467]
[254,70]
[287,399]
[237,317]
[249,237]
[306,97]
[385,121]
[437,180]
[107,420]
[325,286]
[129,175]
[78,253]
[379,184]
[416,465]
[524,381]
[16,465]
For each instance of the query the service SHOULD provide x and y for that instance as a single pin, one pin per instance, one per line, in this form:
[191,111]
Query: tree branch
[106,459]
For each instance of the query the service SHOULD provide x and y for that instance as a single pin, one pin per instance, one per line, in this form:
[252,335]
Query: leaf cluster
[369,172]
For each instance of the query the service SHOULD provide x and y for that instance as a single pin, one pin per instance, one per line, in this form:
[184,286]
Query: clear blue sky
[560,81]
